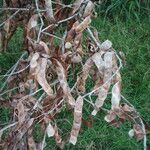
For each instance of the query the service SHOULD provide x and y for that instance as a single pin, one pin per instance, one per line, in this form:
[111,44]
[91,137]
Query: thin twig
[6,75]
[9,91]
[42,22]
[142,125]
[10,17]
[16,65]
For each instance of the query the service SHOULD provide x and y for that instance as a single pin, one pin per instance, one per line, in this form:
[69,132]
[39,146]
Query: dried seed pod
[34,63]
[138,131]
[110,117]
[58,138]
[41,76]
[83,25]
[49,10]
[99,62]
[106,45]
[88,9]
[77,5]
[32,22]
[31,142]
[76,58]
[103,90]
[47,50]
[63,83]
[116,95]
[21,112]
[77,120]
[85,72]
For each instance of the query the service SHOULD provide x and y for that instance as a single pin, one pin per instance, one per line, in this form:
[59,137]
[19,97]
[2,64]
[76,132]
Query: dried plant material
[95,33]
[33,22]
[127,108]
[76,58]
[50,130]
[77,5]
[138,131]
[77,120]
[116,96]
[123,57]
[103,90]
[83,25]
[49,10]
[34,63]
[63,83]
[106,45]
[68,45]
[111,116]
[88,9]
[1,41]
[58,138]
[31,142]
[131,133]
[21,112]
[43,44]
[7,26]
[5,128]
[41,76]
[38,86]
[99,62]
[85,72]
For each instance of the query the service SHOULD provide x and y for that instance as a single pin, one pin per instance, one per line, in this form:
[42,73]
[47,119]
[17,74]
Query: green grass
[133,38]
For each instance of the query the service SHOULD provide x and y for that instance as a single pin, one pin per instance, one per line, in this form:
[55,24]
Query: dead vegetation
[44,67]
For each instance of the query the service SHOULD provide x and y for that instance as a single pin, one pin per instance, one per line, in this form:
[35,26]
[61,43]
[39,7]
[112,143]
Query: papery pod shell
[76,5]
[41,76]
[103,90]
[63,83]
[49,10]
[116,95]
[84,74]
[83,25]
[88,9]
[77,120]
